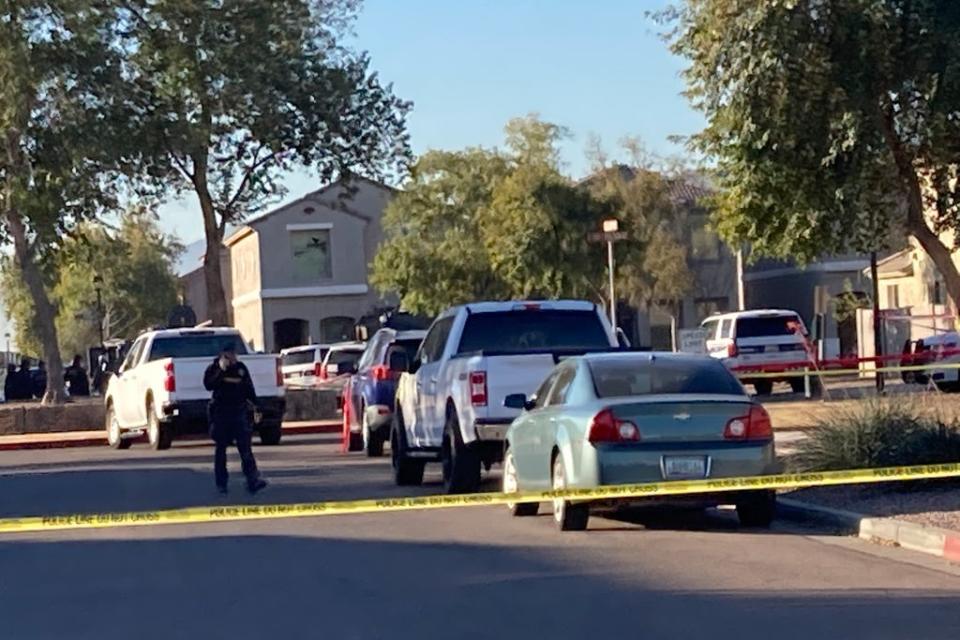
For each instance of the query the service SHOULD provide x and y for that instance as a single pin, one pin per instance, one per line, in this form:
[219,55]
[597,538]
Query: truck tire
[763,387]
[159,435]
[757,509]
[406,471]
[461,464]
[114,433]
[372,442]
[270,434]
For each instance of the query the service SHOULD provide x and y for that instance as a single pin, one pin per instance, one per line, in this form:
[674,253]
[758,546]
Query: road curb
[934,541]
[49,441]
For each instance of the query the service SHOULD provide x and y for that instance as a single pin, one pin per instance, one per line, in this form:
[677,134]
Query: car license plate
[684,467]
[772,348]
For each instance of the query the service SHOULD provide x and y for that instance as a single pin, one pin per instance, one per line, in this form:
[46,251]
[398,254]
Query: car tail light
[478,388]
[381,372]
[170,381]
[755,425]
[279,373]
[320,371]
[732,351]
[605,427]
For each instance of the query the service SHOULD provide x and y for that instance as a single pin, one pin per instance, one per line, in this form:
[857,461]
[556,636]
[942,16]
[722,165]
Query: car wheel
[406,471]
[763,387]
[271,434]
[372,442]
[568,516]
[114,434]
[461,464]
[159,435]
[757,509]
[511,485]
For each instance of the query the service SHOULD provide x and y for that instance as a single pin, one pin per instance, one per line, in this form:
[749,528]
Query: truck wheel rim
[153,431]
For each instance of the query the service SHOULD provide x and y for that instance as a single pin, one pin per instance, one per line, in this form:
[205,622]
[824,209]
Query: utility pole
[97,282]
[741,296]
[877,326]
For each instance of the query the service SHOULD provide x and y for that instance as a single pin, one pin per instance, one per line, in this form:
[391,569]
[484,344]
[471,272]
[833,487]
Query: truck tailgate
[508,374]
[189,376]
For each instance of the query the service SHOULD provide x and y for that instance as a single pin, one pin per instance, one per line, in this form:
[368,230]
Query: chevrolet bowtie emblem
[681,416]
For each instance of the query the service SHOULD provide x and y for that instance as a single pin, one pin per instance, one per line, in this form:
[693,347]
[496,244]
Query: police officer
[233,395]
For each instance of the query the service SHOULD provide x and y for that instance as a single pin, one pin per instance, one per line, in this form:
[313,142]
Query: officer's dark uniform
[228,412]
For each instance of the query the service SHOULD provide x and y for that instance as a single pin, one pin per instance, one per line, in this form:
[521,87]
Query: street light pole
[97,281]
[610,227]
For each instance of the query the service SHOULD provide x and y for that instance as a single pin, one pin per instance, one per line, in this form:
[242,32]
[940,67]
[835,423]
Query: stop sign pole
[610,234]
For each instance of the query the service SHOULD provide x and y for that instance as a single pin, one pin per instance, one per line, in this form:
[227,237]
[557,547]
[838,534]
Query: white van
[302,366]
[762,338]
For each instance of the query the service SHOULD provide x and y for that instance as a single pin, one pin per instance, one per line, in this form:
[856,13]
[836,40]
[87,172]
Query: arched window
[290,332]
[336,329]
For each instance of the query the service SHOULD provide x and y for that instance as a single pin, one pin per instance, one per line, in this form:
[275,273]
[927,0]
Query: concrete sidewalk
[97,438]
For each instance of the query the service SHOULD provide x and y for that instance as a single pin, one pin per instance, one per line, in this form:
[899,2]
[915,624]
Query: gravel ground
[936,504]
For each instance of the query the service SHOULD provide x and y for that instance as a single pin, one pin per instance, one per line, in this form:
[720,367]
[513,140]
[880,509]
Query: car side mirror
[516,401]
[398,361]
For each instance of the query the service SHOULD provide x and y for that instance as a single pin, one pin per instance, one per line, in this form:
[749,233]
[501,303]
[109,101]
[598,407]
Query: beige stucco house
[299,273]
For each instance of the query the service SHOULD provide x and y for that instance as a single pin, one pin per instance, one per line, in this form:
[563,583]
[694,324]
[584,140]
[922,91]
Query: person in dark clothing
[10,384]
[38,381]
[233,396]
[75,376]
[20,386]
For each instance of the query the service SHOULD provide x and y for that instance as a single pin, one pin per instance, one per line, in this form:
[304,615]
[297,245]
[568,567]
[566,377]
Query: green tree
[434,254]
[63,109]
[499,224]
[832,124]
[235,94]
[134,267]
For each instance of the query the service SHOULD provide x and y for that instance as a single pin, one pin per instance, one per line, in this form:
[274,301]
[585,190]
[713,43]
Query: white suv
[768,340]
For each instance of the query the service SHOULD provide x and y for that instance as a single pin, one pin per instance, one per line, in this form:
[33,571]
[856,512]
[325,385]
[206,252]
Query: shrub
[877,433]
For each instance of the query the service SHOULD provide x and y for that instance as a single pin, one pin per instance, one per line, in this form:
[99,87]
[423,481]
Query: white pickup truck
[159,387]
[449,404]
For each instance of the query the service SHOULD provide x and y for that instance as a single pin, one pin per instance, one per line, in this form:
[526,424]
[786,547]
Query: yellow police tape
[646,490]
[800,372]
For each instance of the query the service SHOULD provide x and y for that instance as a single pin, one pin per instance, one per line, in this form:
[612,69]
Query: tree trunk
[44,311]
[213,278]
[940,254]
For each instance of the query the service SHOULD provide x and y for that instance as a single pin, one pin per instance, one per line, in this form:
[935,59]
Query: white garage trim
[302,292]
[309,226]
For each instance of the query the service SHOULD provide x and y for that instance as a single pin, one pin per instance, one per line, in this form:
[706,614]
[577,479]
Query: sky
[597,68]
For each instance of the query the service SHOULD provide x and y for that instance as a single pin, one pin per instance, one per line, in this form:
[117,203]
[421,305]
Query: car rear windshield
[408,346]
[533,330]
[639,377]
[341,356]
[765,326]
[298,357]
[195,346]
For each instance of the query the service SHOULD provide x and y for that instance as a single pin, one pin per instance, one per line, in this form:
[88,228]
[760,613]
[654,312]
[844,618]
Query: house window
[936,293]
[336,329]
[893,296]
[311,254]
[704,243]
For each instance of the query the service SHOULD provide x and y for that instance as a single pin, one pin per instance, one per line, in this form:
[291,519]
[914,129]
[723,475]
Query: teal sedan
[622,418]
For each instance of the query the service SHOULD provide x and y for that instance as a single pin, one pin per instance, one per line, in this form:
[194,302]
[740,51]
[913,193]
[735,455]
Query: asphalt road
[454,574]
